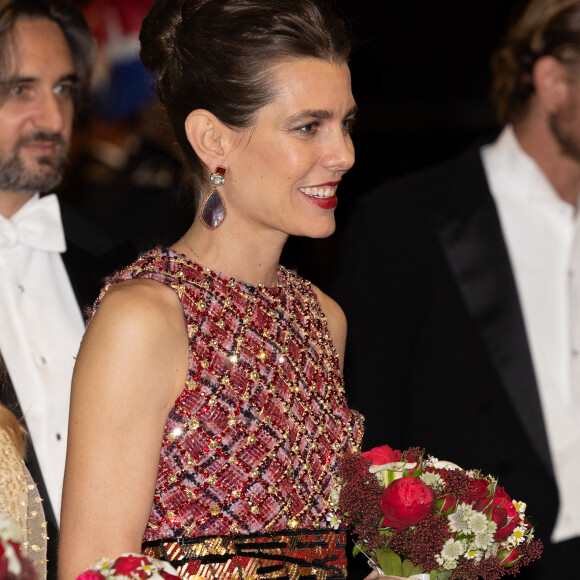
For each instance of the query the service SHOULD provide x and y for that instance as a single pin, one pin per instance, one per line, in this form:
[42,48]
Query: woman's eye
[348,124]
[309,128]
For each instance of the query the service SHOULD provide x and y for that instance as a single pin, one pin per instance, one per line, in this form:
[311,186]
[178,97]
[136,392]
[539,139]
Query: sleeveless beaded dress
[249,453]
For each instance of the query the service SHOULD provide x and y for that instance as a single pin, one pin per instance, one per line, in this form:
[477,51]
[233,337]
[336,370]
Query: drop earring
[213,209]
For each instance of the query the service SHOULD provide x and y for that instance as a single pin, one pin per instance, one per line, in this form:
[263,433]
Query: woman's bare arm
[130,369]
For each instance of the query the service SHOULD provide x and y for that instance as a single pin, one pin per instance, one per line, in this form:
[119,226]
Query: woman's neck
[253,258]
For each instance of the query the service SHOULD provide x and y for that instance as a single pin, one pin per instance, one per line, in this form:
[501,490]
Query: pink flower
[381,455]
[406,502]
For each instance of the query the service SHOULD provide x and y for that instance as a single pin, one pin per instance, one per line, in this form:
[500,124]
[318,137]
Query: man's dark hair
[74,28]
[546,28]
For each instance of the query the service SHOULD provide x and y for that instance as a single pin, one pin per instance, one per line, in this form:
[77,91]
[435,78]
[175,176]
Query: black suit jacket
[91,255]
[437,352]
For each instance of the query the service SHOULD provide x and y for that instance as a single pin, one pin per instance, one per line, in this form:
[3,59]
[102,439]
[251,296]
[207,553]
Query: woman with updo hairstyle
[207,410]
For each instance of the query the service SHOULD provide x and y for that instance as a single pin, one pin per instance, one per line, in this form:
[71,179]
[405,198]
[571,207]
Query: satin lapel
[91,255]
[477,255]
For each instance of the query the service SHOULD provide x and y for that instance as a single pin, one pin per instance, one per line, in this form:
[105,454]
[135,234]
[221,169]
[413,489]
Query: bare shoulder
[139,328]
[139,305]
[143,297]
[336,320]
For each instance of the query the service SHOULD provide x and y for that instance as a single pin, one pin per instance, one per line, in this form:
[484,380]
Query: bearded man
[467,339]
[51,259]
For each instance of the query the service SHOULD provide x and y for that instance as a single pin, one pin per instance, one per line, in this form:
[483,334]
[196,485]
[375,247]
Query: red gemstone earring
[213,209]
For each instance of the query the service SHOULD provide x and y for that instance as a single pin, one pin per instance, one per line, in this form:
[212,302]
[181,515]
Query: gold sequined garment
[288,555]
[20,501]
[252,442]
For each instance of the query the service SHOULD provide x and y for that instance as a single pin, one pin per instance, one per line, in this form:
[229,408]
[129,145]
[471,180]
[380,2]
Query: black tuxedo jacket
[90,256]
[437,352]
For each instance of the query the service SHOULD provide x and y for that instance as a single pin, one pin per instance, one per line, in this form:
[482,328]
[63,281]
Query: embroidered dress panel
[251,443]
[20,501]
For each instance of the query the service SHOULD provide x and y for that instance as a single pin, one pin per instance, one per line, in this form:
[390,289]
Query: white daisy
[472,553]
[518,535]
[333,521]
[520,506]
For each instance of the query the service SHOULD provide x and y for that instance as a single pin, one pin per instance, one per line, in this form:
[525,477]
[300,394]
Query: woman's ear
[208,136]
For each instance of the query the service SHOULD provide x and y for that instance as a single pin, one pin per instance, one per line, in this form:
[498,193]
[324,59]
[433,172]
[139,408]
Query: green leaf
[389,562]
[356,550]
[409,569]
[444,575]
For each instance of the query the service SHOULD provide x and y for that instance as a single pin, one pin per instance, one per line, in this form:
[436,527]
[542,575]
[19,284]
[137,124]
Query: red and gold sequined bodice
[251,443]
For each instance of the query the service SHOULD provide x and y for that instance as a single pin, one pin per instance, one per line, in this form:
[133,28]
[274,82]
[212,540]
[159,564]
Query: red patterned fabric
[252,442]
[313,555]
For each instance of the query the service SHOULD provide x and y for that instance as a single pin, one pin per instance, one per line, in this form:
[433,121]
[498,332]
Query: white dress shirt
[542,236]
[41,327]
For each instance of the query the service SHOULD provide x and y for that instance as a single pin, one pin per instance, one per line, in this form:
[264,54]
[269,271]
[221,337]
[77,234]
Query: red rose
[505,524]
[478,490]
[507,558]
[381,455]
[129,566]
[405,502]
[446,504]
[500,495]
[503,512]
[500,498]
[498,515]
[90,575]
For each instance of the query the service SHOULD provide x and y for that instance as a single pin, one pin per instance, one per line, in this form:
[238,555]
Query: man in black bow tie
[465,339]
[51,260]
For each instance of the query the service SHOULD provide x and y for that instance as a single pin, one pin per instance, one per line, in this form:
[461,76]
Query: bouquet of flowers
[13,565]
[130,567]
[418,516]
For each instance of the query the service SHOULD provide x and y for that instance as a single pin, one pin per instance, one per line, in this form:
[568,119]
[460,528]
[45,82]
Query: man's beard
[565,125]
[16,177]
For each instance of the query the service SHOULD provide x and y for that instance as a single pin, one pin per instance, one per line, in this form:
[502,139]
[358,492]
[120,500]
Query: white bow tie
[37,224]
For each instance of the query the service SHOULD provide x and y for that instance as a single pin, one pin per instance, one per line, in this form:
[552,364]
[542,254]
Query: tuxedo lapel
[474,246]
[91,255]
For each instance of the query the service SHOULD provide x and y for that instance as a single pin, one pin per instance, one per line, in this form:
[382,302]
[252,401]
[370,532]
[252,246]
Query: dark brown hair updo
[217,55]
[546,28]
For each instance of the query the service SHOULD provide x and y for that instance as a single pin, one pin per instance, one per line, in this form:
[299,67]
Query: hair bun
[158,33]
